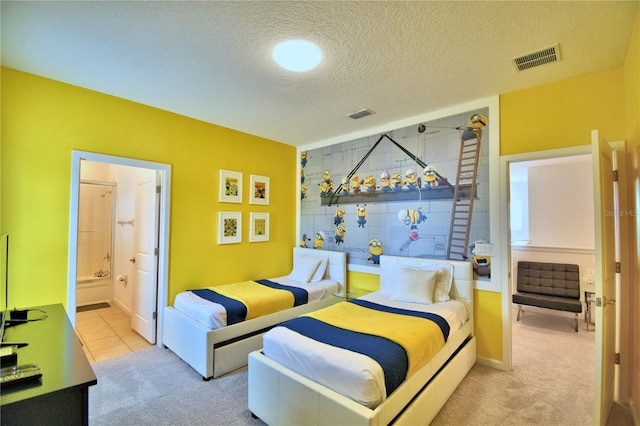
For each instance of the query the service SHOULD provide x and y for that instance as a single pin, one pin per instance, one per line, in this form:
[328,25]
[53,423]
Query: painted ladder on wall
[464,194]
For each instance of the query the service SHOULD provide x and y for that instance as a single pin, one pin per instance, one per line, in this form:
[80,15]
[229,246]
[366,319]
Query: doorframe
[164,226]
[505,235]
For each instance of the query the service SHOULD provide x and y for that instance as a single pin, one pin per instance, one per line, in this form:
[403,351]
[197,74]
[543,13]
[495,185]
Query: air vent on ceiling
[359,114]
[537,58]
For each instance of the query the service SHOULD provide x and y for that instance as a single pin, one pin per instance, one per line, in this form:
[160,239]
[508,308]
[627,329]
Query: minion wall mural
[397,188]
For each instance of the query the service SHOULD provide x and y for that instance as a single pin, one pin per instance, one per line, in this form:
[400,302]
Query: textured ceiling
[211,60]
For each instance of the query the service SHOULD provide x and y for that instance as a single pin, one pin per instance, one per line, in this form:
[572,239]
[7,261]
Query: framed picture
[229,227]
[259,190]
[259,227]
[230,187]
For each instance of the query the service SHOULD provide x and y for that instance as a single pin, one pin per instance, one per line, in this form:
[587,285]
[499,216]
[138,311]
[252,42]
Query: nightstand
[351,293]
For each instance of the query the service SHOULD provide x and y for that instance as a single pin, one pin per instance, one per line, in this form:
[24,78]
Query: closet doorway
[145,270]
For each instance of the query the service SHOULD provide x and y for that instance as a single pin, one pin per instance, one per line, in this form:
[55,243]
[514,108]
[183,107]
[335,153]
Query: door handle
[132,260]
[600,302]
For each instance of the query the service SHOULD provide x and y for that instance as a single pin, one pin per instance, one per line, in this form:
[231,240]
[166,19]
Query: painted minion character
[326,177]
[385,181]
[411,217]
[396,181]
[412,178]
[326,186]
[303,241]
[324,189]
[355,183]
[430,177]
[473,129]
[318,240]
[340,231]
[303,158]
[344,186]
[303,192]
[370,183]
[362,215]
[375,250]
[301,175]
[339,217]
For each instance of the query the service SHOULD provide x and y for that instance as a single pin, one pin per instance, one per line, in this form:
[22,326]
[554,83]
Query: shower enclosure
[95,231]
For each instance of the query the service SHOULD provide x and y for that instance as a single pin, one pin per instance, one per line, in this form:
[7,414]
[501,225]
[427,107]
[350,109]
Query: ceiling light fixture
[297,55]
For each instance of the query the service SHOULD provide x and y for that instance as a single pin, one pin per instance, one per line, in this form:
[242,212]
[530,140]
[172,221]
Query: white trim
[505,237]
[547,249]
[163,255]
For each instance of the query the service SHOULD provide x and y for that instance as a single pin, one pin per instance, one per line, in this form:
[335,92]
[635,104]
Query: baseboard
[493,363]
[121,306]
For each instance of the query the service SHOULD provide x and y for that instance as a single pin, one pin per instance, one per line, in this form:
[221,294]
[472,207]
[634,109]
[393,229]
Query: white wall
[561,217]
[561,205]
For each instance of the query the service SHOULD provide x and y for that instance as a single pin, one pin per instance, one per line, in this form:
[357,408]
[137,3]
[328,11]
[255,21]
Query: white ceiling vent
[359,114]
[537,58]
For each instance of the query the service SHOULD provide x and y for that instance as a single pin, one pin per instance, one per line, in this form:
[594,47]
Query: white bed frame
[278,395]
[215,352]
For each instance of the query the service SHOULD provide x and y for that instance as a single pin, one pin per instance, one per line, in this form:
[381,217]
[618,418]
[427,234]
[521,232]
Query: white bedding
[354,375]
[213,315]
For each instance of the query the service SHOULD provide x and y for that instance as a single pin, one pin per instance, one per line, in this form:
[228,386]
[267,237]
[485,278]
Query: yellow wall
[44,120]
[562,114]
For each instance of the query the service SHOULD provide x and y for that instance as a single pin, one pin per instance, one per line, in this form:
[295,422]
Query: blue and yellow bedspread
[401,341]
[251,299]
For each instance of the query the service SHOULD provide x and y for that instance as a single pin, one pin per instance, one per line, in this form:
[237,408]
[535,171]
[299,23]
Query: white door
[607,254]
[144,308]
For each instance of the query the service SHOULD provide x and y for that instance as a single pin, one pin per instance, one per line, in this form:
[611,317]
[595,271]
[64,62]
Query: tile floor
[106,333]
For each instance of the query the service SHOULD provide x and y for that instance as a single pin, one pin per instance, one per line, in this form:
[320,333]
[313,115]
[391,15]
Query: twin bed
[213,339]
[311,373]
[320,363]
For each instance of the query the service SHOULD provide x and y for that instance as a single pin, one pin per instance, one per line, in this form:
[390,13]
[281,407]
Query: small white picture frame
[259,190]
[259,230]
[230,189]
[229,227]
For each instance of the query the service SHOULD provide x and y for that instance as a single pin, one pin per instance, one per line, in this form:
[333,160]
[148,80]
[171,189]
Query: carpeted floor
[155,387]
[552,381]
[551,384]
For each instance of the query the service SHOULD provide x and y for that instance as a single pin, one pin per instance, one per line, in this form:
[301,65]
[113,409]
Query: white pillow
[443,281]
[303,268]
[318,275]
[415,285]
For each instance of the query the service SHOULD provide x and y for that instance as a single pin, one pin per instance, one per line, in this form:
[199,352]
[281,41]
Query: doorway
[551,220]
[163,172]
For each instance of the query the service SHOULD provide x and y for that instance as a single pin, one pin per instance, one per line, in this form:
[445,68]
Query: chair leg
[519,312]
[576,323]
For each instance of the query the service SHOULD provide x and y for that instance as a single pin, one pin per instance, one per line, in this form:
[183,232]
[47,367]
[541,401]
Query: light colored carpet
[155,387]
[551,384]
[552,381]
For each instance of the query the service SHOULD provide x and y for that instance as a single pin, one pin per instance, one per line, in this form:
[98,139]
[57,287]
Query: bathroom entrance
[119,254]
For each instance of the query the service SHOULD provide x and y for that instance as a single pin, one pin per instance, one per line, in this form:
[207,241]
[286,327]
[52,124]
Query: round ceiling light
[297,55]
